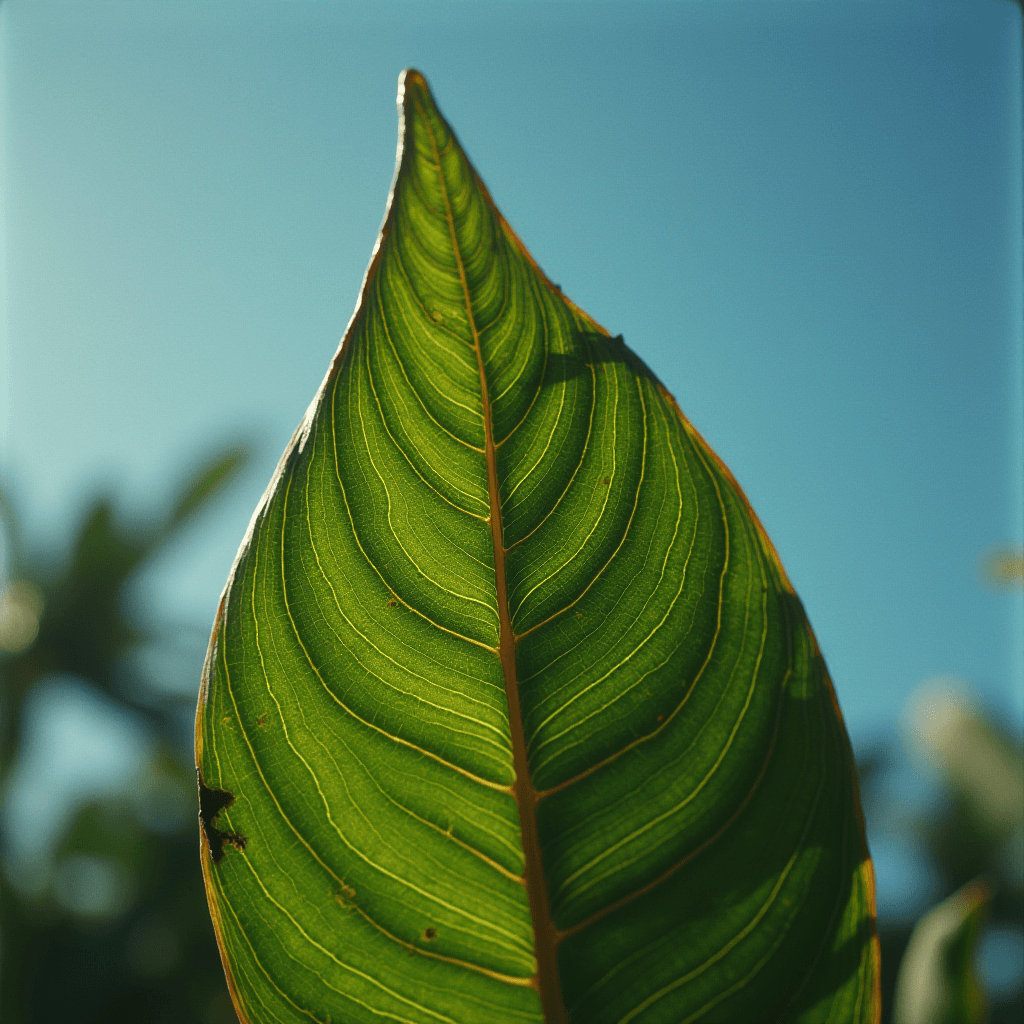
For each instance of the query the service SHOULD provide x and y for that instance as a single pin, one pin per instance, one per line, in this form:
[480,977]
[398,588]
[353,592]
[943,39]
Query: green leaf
[510,712]
[206,484]
[937,983]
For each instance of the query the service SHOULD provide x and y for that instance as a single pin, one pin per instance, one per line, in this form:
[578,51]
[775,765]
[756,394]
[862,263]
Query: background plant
[114,926]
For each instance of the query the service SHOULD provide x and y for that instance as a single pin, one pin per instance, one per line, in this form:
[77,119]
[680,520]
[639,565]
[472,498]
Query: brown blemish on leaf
[429,935]
[211,803]
[345,897]
[392,603]
[262,720]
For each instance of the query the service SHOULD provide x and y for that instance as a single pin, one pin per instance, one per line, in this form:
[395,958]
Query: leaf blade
[507,667]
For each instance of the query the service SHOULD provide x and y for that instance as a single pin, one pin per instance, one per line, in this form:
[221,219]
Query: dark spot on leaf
[429,934]
[346,896]
[211,803]
[557,287]
[392,603]
[661,718]
[262,720]
[606,481]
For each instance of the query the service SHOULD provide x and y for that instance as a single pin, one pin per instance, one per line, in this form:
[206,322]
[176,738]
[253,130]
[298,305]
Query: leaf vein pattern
[338,830]
[404,454]
[269,977]
[373,565]
[742,934]
[632,653]
[400,263]
[583,544]
[414,950]
[546,333]
[572,479]
[633,744]
[653,822]
[412,561]
[344,966]
[404,669]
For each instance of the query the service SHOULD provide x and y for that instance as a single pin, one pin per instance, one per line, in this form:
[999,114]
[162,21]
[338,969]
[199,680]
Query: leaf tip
[411,79]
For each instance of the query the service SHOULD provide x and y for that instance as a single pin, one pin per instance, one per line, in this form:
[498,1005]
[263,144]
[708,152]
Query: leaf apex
[410,78]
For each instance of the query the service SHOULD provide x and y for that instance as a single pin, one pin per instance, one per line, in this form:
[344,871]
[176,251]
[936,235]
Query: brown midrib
[545,935]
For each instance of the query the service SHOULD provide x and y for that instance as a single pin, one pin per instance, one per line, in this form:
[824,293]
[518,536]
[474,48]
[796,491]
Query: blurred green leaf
[207,483]
[937,982]
[120,932]
[983,767]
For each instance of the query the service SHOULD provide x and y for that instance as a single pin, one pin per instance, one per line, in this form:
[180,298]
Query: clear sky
[806,217]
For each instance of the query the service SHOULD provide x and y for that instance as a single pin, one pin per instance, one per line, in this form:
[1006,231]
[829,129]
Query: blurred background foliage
[962,961]
[110,923]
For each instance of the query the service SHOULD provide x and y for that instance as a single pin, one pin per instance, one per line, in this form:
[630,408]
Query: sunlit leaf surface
[510,712]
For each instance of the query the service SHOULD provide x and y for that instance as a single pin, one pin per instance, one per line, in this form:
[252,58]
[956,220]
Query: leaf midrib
[546,979]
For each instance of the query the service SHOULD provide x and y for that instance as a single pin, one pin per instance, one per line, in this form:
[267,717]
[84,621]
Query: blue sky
[805,216]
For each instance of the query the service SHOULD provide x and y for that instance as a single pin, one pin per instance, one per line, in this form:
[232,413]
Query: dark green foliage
[153,958]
